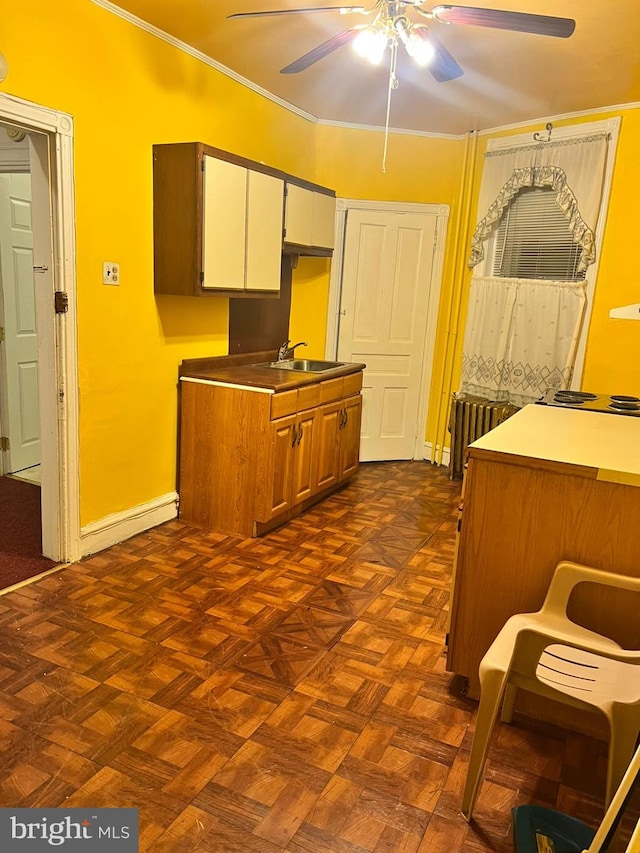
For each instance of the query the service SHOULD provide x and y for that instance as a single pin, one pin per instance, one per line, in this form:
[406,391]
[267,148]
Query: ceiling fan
[391,24]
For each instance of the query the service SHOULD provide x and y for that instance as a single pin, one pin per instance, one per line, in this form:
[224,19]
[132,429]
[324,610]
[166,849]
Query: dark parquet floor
[287,693]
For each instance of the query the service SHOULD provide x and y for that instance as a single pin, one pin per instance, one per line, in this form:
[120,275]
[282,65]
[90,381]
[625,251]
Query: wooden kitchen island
[546,485]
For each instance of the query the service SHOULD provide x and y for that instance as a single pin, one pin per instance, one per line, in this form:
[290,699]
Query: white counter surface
[610,443]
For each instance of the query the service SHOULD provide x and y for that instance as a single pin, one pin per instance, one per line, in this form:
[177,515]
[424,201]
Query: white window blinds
[533,239]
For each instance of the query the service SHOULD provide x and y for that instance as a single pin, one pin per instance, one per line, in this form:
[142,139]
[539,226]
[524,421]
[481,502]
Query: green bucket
[540,830]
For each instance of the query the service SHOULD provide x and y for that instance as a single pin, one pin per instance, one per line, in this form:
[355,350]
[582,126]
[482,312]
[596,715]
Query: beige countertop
[607,442]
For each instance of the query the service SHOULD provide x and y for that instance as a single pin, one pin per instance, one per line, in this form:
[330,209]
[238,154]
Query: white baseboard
[428,447]
[121,525]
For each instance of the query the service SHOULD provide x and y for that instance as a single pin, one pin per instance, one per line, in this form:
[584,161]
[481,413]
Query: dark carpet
[20,532]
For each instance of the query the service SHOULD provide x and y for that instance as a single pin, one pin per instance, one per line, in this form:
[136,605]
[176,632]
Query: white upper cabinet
[242,227]
[309,217]
[323,220]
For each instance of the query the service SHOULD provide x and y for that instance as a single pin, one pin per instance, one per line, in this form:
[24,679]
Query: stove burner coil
[574,396]
[623,398]
[624,405]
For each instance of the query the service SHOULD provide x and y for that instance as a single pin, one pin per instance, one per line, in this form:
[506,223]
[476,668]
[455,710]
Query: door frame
[441,212]
[58,365]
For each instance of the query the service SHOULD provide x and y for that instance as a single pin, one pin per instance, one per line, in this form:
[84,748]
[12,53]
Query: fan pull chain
[393,84]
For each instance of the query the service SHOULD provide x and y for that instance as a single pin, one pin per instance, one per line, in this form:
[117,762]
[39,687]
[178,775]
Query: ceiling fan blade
[321,51]
[443,66]
[343,9]
[522,22]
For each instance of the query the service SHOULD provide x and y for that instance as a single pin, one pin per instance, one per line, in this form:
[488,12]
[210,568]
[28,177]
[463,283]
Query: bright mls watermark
[73,830]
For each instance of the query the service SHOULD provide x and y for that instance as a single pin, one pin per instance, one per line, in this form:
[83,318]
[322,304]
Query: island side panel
[222,454]
[518,522]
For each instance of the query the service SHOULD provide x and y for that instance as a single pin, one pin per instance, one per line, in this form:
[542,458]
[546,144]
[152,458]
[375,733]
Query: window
[533,239]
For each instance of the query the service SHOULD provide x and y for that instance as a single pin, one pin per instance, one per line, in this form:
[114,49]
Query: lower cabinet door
[283,445]
[350,437]
[303,485]
[326,452]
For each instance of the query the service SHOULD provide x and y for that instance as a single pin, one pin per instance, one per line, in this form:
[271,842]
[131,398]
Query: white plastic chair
[546,653]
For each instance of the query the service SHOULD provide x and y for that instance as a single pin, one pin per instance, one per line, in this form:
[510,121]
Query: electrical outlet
[110,273]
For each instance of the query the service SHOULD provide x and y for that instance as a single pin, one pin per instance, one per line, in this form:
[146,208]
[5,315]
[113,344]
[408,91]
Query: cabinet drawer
[352,384]
[330,390]
[284,403]
[308,397]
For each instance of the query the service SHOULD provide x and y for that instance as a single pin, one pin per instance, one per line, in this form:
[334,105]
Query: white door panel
[388,261]
[20,409]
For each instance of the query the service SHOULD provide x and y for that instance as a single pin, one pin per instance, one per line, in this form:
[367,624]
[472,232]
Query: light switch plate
[110,272]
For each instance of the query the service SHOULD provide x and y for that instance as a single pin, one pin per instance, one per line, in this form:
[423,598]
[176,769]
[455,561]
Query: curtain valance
[573,168]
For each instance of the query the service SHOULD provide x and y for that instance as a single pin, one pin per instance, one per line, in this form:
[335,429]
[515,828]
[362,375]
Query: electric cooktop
[615,404]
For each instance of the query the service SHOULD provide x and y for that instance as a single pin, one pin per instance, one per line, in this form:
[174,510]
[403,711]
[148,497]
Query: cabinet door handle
[299,433]
[341,424]
[294,435]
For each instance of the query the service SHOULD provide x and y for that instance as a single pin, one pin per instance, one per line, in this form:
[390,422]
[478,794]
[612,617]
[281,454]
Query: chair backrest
[568,575]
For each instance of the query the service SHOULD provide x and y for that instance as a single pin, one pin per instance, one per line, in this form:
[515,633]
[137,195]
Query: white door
[20,410]
[386,281]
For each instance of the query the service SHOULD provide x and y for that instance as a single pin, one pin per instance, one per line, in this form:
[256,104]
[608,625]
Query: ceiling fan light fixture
[420,49]
[417,44]
[371,44]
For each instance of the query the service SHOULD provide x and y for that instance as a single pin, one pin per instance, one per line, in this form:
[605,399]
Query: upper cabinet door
[309,219]
[265,213]
[323,220]
[224,225]
[299,212]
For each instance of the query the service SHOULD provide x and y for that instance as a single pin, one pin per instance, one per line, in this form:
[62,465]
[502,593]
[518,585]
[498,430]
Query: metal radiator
[470,418]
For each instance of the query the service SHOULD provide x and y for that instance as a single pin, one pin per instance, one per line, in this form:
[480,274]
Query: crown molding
[596,111]
[400,130]
[201,57]
[265,93]
[243,81]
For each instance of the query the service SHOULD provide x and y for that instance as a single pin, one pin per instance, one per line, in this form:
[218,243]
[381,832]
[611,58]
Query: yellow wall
[127,90]
[612,364]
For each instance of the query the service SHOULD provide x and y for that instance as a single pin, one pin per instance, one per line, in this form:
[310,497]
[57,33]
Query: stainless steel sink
[305,365]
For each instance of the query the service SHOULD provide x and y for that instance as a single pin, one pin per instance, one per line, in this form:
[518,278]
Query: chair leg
[508,704]
[624,736]
[492,686]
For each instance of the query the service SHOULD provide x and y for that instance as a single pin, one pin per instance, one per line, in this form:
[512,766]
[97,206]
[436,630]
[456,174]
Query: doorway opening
[20,516]
[38,364]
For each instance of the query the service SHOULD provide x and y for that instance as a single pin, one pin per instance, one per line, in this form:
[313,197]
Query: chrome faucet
[285,350]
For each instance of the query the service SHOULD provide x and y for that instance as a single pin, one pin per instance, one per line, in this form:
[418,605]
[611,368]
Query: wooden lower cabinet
[250,460]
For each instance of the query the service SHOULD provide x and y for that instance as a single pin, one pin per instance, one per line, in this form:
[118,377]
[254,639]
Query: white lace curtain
[521,334]
[521,337]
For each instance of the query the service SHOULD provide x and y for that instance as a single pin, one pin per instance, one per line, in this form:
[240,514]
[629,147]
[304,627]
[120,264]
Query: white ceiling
[509,77]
